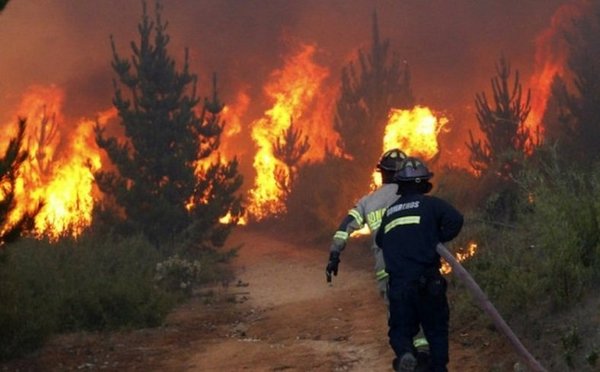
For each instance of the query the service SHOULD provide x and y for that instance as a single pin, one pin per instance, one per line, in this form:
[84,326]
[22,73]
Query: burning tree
[10,163]
[164,182]
[289,148]
[507,139]
[370,88]
[382,82]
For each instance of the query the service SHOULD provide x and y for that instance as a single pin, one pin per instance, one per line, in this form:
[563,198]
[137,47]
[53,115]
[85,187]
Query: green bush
[177,274]
[28,311]
[549,257]
[565,227]
[505,267]
[110,285]
[89,284]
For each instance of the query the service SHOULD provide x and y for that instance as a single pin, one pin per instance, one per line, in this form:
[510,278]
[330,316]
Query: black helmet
[390,160]
[412,170]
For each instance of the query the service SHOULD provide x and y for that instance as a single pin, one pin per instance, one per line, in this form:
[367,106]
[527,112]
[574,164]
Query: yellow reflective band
[374,219]
[407,220]
[420,342]
[375,226]
[341,235]
[354,213]
[381,274]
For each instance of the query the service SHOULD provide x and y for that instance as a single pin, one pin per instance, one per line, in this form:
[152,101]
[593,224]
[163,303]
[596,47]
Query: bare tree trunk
[489,308]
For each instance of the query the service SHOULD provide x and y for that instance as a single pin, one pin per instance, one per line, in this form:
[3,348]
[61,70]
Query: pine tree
[507,139]
[156,183]
[10,163]
[499,156]
[381,81]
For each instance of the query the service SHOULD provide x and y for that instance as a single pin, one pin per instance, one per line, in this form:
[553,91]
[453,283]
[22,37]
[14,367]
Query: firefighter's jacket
[368,210]
[410,230]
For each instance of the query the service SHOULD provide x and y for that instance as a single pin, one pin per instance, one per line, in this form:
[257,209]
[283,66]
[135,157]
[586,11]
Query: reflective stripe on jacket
[368,210]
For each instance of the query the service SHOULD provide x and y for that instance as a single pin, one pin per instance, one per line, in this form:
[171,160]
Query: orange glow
[542,83]
[299,97]
[550,61]
[460,255]
[362,231]
[231,117]
[59,170]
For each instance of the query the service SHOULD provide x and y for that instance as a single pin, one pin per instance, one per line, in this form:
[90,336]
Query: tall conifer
[156,180]
[370,87]
[502,122]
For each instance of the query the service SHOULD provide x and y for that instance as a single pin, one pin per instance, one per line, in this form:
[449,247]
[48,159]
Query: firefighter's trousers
[420,302]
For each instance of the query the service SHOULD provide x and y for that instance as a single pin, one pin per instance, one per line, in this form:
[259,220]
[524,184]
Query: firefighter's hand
[332,265]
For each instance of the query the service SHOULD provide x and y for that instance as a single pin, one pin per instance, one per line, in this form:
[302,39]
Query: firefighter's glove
[332,265]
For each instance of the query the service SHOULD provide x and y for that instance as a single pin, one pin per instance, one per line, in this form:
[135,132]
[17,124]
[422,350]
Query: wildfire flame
[58,173]
[461,255]
[295,89]
[414,131]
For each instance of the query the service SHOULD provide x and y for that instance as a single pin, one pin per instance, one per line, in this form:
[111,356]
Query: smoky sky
[451,46]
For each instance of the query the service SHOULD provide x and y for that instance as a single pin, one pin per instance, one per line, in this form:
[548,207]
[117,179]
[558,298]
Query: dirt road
[296,322]
[278,314]
[301,323]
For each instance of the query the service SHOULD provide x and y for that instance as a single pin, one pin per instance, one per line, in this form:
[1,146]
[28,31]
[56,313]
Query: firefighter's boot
[406,363]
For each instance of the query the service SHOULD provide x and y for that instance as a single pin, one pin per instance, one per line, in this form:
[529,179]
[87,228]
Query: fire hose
[489,308]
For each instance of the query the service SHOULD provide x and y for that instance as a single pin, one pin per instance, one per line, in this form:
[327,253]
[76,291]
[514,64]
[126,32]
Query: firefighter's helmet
[412,170]
[391,160]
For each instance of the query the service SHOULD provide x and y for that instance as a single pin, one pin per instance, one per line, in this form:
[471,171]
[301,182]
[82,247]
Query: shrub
[565,227]
[89,284]
[549,257]
[176,274]
[28,314]
[109,285]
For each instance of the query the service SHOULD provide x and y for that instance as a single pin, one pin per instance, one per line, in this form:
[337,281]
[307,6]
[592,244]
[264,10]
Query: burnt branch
[44,135]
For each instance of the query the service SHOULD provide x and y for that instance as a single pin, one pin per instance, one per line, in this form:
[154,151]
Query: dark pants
[420,302]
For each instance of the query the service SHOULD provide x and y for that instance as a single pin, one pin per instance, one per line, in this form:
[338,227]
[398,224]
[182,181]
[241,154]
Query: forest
[152,187]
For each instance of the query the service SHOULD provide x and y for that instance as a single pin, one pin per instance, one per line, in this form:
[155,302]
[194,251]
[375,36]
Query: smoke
[450,46]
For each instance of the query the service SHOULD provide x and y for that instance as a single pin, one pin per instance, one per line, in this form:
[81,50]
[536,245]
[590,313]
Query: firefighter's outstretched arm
[353,221]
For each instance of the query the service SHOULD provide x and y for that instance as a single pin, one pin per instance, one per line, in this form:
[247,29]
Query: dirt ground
[278,314]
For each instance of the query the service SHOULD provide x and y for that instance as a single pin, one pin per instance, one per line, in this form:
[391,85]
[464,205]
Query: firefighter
[369,210]
[410,230]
